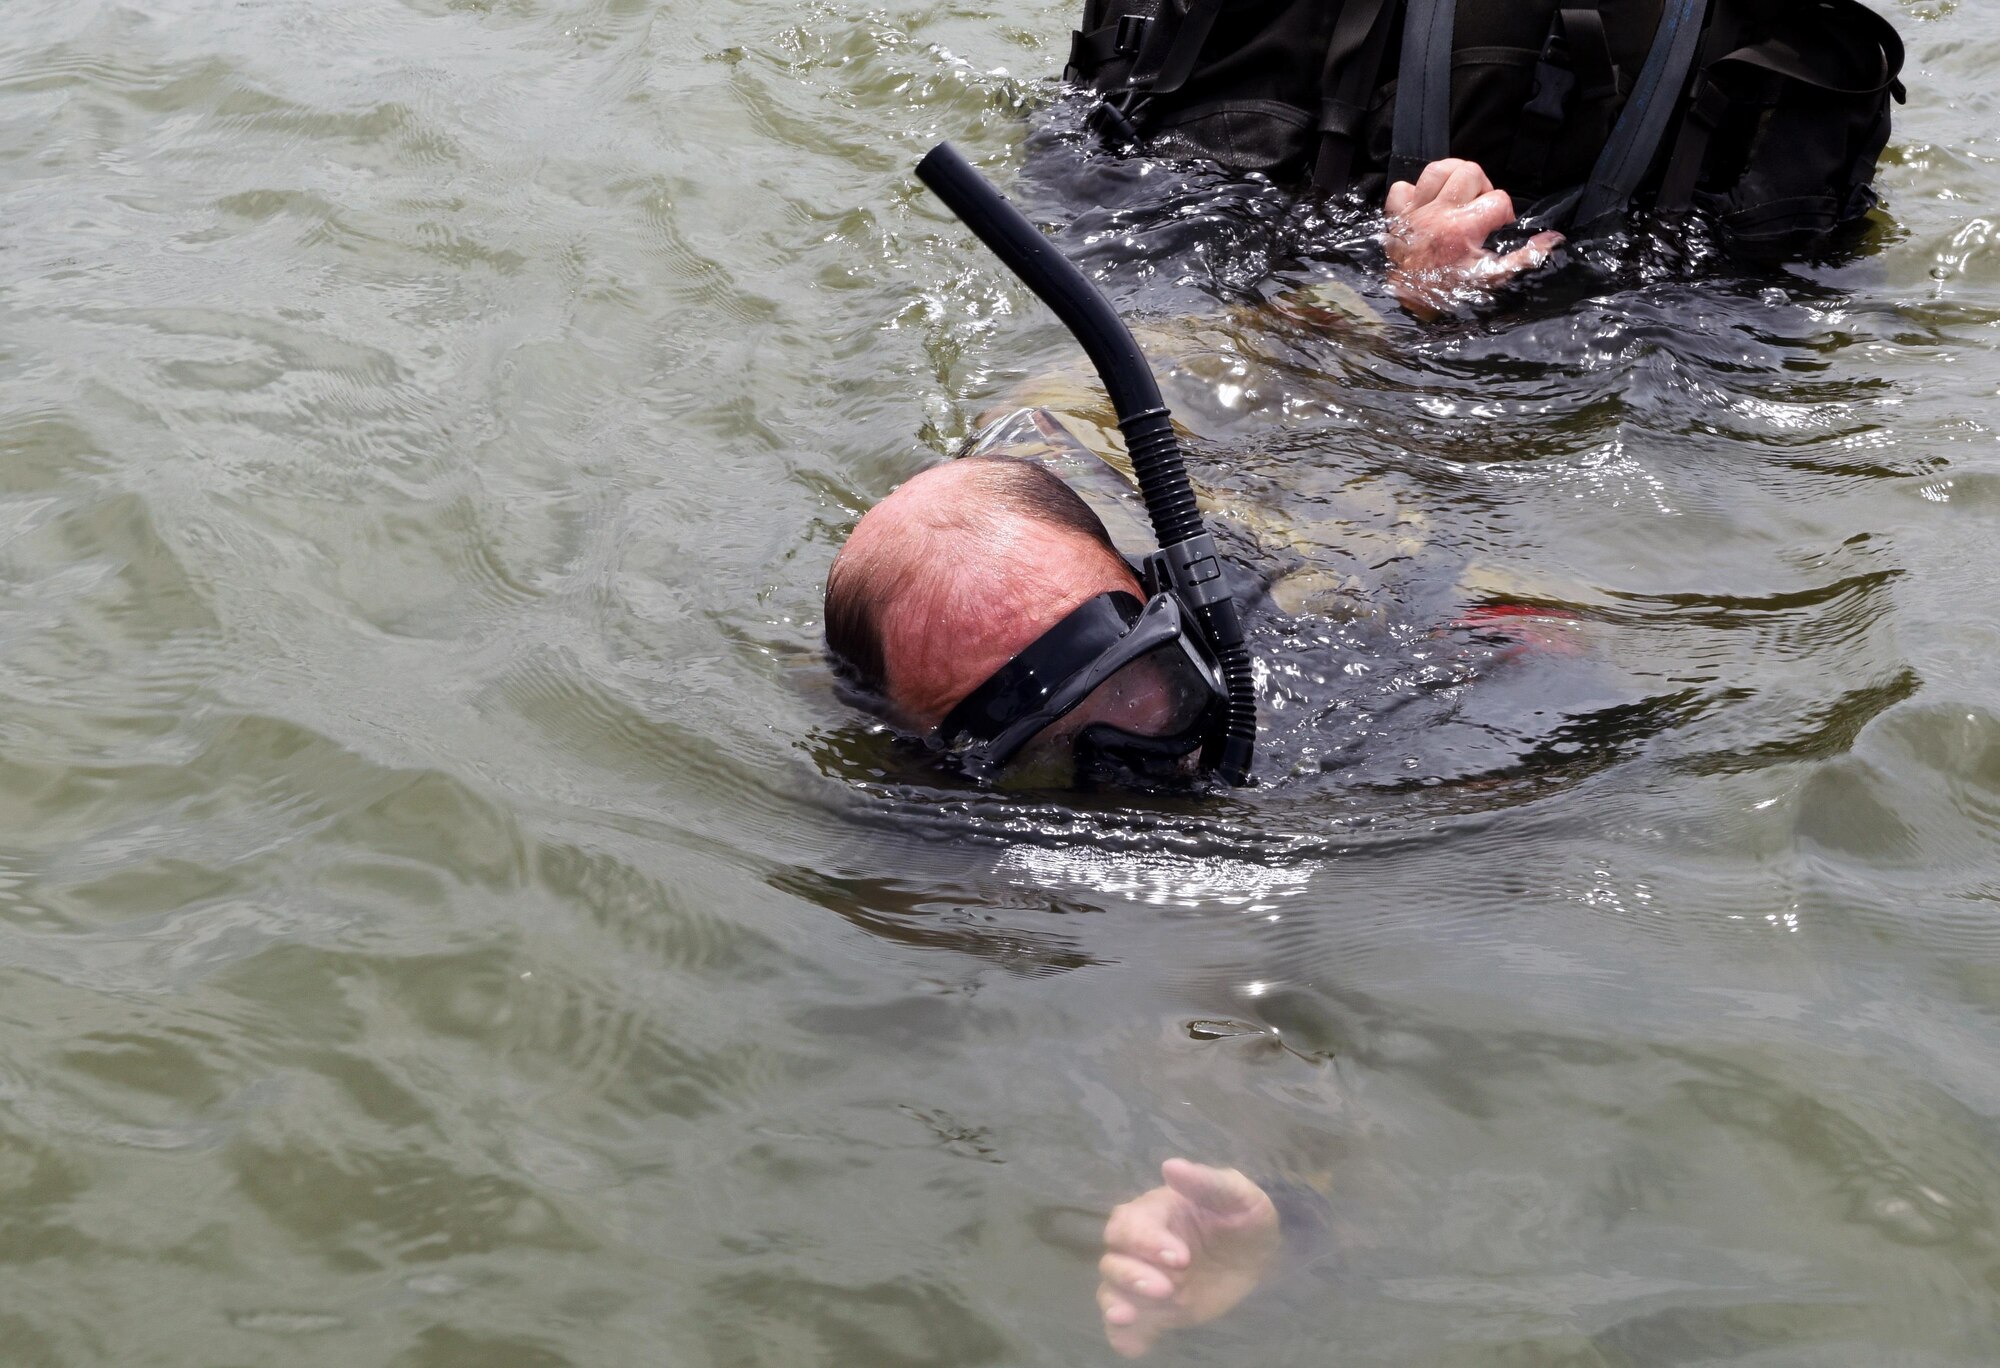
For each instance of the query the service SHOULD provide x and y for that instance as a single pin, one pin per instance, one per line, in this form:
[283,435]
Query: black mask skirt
[1119,690]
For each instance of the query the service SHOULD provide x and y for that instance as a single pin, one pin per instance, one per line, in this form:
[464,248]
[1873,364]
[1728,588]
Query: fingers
[1401,199]
[1143,1229]
[1219,1191]
[1183,1253]
[1129,1331]
[1134,1278]
[1466,183]
[1433,180]
[1118,1310]
[1492,210]
[1129,1340]
[1528,257]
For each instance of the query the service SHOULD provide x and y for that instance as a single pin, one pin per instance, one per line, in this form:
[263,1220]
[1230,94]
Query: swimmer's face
[1141,699]
[937,648]
[964,582]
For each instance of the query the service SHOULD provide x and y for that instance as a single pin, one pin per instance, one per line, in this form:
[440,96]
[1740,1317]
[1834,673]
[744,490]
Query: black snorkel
[1187,560]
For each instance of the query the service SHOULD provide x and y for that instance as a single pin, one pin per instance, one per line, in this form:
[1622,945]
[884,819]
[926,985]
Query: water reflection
[447,919]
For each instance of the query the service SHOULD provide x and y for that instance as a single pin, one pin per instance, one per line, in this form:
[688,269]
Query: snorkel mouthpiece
[1187,554]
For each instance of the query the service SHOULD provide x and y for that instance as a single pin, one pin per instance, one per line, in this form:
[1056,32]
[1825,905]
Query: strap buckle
[1090,50]
[1554,81]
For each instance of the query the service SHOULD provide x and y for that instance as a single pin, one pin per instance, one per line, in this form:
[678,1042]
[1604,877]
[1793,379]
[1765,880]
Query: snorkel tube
[1187,551]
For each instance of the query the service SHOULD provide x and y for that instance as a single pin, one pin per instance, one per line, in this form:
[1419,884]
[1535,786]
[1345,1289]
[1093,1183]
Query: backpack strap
[1164,72]
[1777,60]
[1422,130]
[1166,57]
[1576,53]
[1642,124]
[1353,57]
[1589,49]
[1092,48]
[1690,152]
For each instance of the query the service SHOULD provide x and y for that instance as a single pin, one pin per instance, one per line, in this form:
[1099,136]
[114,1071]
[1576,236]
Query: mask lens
[1160,694]
[1113,675]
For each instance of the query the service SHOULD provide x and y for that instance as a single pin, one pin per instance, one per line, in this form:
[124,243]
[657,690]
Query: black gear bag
[1766,114]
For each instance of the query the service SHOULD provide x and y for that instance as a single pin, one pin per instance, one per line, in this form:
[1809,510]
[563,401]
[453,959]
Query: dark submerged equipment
[1187,566]
[1767,115]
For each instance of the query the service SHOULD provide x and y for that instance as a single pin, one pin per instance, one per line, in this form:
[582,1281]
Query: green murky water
[446,919]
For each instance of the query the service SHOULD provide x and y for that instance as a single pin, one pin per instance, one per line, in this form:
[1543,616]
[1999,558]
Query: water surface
[447,919]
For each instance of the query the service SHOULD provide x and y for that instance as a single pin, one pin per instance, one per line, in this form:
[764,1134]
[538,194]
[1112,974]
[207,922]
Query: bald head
[957,572]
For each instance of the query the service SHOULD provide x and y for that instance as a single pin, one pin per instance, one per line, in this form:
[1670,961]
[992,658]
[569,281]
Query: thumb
[1216,1191]
[1529,257]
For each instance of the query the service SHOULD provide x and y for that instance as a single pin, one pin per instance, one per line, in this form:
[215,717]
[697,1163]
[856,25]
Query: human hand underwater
[1437,238]
[1183,1254]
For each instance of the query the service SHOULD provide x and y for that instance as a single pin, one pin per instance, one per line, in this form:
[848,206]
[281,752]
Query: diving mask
[1127,691]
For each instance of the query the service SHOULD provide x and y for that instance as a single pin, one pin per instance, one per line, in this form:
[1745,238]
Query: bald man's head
[954,574]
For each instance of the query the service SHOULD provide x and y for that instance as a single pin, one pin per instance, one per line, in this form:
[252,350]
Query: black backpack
[1766,114]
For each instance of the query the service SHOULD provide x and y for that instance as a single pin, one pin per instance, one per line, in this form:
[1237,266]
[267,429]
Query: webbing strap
[1090,49]
[1422,132]
[1589,49]
[1176,64]
[1691,149]
[1777,60]
[1643,123]
[1352,56]
[1575,52]
[1781,59]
